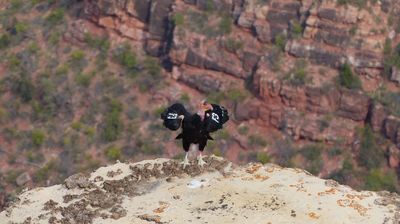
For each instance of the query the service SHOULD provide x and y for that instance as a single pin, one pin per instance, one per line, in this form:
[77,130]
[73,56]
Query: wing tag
[215,117]
[172,116]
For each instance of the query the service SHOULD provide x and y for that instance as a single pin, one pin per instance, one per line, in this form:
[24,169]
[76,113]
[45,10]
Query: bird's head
[203,107]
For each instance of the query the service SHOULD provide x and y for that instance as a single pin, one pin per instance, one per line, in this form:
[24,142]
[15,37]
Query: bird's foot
[200,161]
[185,163]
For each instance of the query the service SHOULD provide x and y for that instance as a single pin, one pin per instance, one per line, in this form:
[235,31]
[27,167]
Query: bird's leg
[185,161]
[200,160]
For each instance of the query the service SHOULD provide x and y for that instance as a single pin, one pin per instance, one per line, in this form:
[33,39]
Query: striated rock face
[210,59]
[213,46]
[143,21]
[160,191]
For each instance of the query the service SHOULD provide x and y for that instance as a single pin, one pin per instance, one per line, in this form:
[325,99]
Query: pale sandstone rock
[247,194]
[23,179]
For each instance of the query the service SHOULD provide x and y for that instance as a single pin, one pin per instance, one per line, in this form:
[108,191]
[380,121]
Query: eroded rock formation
[160,191]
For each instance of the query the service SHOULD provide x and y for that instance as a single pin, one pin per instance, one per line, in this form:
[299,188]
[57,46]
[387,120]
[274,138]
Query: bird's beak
[181,117]
[206,107]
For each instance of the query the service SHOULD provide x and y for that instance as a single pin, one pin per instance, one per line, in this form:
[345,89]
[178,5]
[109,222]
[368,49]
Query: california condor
[196,128]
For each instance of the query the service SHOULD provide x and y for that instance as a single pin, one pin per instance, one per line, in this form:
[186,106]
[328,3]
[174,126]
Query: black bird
[196,128]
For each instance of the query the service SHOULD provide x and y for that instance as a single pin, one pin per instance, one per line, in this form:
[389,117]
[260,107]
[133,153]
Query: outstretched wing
[215,118]
[172,116]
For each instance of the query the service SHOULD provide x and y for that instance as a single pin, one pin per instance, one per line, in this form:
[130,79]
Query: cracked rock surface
[160,191]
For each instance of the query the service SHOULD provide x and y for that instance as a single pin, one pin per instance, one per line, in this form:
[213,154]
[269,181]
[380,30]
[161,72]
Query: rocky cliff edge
[160,191]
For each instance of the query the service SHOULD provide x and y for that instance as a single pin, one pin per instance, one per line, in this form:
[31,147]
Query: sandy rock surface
[160,191]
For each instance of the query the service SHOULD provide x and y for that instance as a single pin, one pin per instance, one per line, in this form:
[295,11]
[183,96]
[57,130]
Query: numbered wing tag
[172,116]
[215,117]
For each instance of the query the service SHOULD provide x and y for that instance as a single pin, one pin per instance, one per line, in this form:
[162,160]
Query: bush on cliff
[348,79]
[378,180]
[371,155]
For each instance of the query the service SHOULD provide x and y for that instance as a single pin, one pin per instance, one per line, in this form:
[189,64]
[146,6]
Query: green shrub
[150,148]
[275,59]
[14,63]
[33,48]
[113,153]
[152,66]
[345,173]
[84,79]
[16,4]
[23,87]
[100,43]
[353,30]
[38,137]
[215,151]
[77,60]
[210,6]
[90,131]
[256,140]
[3,114]
[185,98]
[335,151]
[77,126]
[233,45]
[62,70]
[348,79]
[11,176]
[378,180]
[35,157]
[43,173]
[358,3]
[54,37]
[371,155]
[263,157]
[298,75]
[390,100]
[77,55]
[243,130]
[391,58]
[296,29]
[225,24]
[311,152]
[113,125]
[236,95]
[178,19]
[125,56]
[280,41]
[314,159]
[215,97]
[197,21]
[223,134]
[21,27]
[5,41]
[55,17]
[34,2]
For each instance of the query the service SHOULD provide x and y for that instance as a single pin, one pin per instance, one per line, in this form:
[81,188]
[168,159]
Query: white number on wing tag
[215,117]
[172,116]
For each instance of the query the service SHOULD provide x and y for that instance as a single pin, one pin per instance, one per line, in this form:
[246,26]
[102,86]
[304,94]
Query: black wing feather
[171,116]
[215,118]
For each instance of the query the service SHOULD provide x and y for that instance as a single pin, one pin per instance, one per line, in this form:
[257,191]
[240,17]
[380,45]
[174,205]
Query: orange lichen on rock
[327,192]
[300,187]
[358,196]
[353,204]
[261,177]
[313,215]
[253,168]
[161,209]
